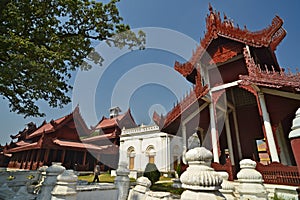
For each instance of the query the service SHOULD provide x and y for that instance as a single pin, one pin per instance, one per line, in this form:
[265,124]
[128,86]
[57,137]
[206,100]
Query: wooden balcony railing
[277,173]
[228,167]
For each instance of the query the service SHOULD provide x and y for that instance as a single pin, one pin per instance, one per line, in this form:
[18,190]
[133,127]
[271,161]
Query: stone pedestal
[50,181]
[122,181]
[176,183]
[251,182]
[200,180]
[294,137]
[65,188]
[139,191]
[42,176]
[227,187]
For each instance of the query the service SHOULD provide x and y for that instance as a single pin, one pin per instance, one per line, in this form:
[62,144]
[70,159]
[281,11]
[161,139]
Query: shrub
[151,172]
[179,170]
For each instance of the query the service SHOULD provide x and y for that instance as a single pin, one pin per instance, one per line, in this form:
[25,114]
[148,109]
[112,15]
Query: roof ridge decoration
[271,36]
[194,95]
[266,77]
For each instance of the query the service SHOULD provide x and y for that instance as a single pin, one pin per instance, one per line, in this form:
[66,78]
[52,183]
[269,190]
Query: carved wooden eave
[195,94]
[54,125]
[125,119]
[263,76]
[159,120]
[80,123]
[215,27]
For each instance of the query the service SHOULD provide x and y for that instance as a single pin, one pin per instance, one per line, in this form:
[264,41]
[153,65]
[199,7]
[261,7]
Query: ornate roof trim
[195,94]
[116,121]
[215,27]
[268,78]
[54,125]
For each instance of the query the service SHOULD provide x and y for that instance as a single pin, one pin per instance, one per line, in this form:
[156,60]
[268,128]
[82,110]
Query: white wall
[141,138]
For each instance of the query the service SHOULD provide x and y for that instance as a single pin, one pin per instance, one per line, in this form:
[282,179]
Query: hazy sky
[145,80]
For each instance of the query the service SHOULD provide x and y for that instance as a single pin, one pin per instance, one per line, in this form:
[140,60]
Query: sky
[145,80]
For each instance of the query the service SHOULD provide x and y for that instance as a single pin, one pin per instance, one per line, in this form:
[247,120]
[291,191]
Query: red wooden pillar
[38,158]
[46,156]
[27,159]
[84,158]
[63,156]
[295,138]
[54,155]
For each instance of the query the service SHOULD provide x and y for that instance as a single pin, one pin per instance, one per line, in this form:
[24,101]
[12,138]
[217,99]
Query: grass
[104,178]
[159,186]
[163,178]
[276,197]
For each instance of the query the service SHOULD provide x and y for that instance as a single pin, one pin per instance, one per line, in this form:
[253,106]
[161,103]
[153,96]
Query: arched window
[176,156]
[150,152]
[131,155]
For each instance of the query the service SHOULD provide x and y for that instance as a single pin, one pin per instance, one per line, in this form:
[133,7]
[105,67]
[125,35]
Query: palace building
[242,103]
[107,132]
[56,141]
[147,144]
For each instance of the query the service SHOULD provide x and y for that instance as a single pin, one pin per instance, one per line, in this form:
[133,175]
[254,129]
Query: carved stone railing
[228,167]
[140,129]
[277,173]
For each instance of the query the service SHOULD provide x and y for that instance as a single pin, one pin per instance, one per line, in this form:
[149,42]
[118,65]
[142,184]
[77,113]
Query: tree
[152,173]
[42,42]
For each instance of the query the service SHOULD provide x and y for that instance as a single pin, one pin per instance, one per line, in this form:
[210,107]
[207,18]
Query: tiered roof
[262,76]
[215,27]
[267,76]
[110,128]
[51,135]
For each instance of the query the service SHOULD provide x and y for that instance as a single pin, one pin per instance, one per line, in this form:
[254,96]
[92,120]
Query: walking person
[96,173]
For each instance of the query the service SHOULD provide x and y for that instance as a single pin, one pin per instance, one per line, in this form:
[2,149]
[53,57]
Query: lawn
[164,184]
[104,178]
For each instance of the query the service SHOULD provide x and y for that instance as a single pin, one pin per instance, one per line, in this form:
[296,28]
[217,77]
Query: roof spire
[210,8]
[225,17]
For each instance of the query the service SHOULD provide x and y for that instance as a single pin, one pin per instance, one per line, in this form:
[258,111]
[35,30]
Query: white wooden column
[268,128]
[184,148]
[237,134]
[214,137]
[139,167]
[229,139]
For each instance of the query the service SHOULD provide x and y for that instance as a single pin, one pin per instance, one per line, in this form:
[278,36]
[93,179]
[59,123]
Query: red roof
[80,145]
[53,125]
[46,128]
[99,137]
[266,78]
[125,119]
[268,37]
[22,143]
[107,122]
[29,146]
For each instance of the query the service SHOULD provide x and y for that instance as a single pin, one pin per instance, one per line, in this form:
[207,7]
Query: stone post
[294,137]
[227,187]
[250,182]
[200,180]
[50,180]
[139,191]
[42,176]
[65,188]
[122,181]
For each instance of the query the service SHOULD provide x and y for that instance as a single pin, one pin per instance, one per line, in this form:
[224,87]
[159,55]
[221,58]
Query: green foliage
[42,42]
[178,169]
[276,197]
[152,173]
[166,187]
